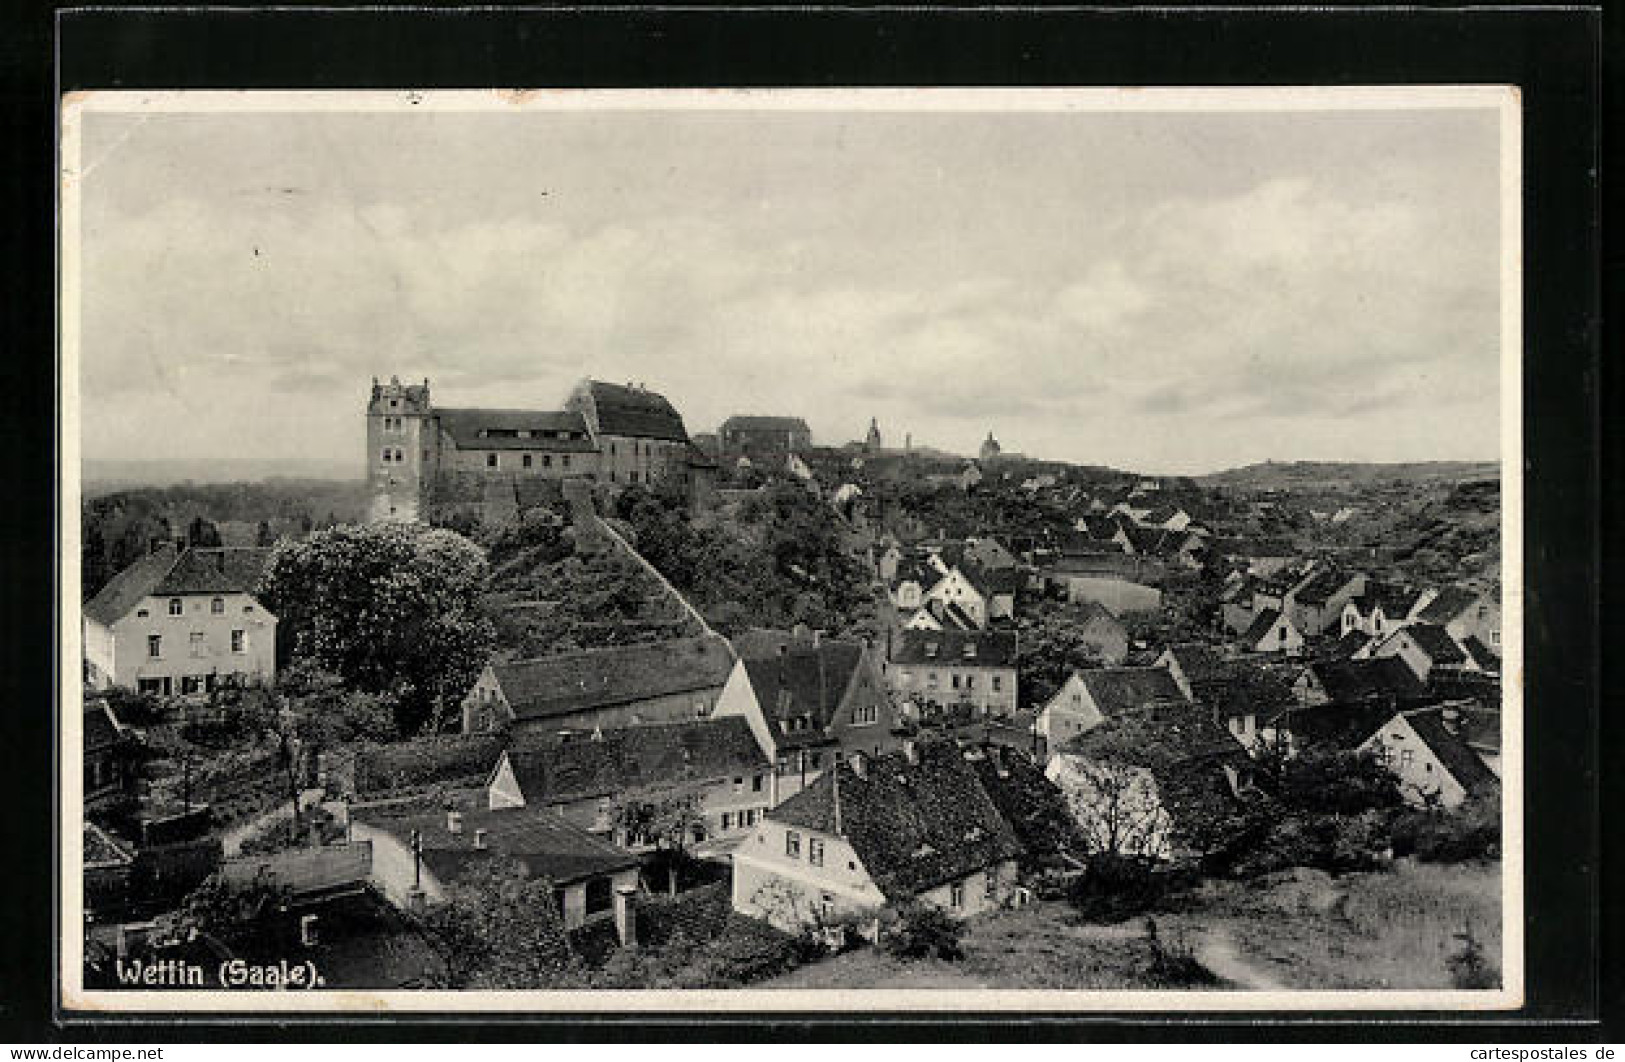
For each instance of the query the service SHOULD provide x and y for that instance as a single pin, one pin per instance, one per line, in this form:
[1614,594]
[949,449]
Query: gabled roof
[102,730]
[216,570]
[948,648]
[1320,586]
[1092,614]
[990,581]
[751,422]
[1243,688]
[539,838]
[1158,735]
[953,617]
[1342,724]
[1485,658]
[552,686]
[1260,626]
[1346,646]
[1451,602]
[635,412]
[1436,643]
[1396,601]
[1358,680]
[1033,805]
[102,850]
[1198,662]
[1448,743]
[1120,690]
[466,426]
[803,682]
[633,758]
[915,825]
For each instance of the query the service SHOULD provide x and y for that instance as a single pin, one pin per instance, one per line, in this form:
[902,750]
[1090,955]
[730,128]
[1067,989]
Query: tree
[223,908]
[392,609]
[500,928]
[670,819]
[203,534]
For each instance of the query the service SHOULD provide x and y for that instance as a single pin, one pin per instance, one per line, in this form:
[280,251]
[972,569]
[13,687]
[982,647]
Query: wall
[623,460]
[787,892]
[241,612]
[392,866]
[1119,595]
[1421,776]
[916,679]
[1071,712]
[975,896]
[397,486]
[545,464]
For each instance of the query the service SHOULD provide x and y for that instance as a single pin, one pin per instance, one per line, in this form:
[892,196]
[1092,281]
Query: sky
[1162,292]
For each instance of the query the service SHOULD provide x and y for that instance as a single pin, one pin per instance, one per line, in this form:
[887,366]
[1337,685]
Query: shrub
[1437,835]
[922,931]
[1115,887]
[1172,964]
[1467,965]
[425,761]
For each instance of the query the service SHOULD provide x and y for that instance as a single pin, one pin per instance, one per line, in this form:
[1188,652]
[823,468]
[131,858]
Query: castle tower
[990,448]
[403,446]
[871,442]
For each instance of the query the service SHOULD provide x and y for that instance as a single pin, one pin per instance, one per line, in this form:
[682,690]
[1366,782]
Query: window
[525,461]
[239,641]
[198,648]
[739,784]
[998,683]
[174,606]
[142,613]
[956,680]
[218,606]
[792,844]
[490,460]
[970,682]
[815,852]
[756,784]
[1406,757]
[248,610]
[394,403]
[727,820]
[826,904]
[386,455]
[865,715]
[817,760]
[565,460]
[956,895]
[547,460]
[155,646]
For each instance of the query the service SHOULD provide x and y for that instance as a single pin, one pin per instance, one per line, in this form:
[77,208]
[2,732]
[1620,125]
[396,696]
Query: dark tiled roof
[1319,587]
[1197,662]
[989,581]
[953,617]
[1121,690]
[539,838]
[1243,688]
[1342,724]
[1358,680]
[991,648]
[1482,726]
[1346,646]
[1449,746]
[1482,655]
[1451,602]
[1158,735]
[552,686]
[1260,626]
[1436,643]
[803,682]
[633,758]
[217,570]
[634,412]
[915,826]
[465,426]
[1033,805]
[126,589]
[1396,601]
[750,422]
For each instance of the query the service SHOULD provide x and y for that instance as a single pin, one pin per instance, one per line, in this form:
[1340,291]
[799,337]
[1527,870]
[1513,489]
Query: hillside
[1295,475]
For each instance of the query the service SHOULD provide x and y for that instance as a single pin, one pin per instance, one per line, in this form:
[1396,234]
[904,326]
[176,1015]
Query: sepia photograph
[976,549]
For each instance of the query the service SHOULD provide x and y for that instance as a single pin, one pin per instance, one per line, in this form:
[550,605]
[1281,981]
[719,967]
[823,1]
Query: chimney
[479,839]
[307,930]
[454,823]
[626,916]
[1450,715]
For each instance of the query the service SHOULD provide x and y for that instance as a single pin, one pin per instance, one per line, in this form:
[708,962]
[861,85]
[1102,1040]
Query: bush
[1172,964]
[1333,843]
[1436,835]
[425,761]
[1115,887]
[922,931]
[1467,965]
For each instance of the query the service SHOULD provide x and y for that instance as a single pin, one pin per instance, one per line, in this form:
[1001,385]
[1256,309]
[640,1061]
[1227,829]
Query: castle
[612,435]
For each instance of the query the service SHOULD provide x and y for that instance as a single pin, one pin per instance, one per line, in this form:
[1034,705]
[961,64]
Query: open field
[1301,929]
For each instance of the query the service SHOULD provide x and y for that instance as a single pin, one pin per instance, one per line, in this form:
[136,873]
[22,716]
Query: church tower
[871,442]
[990,448]
[402,449]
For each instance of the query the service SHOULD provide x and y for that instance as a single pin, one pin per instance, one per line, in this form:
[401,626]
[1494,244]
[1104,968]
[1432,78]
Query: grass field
[1301,929]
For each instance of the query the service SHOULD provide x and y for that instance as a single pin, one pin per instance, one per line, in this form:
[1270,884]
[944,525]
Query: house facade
[1272,632]
[974,668]
[1088,698]
[181,622]
[1428,752]
[914,825]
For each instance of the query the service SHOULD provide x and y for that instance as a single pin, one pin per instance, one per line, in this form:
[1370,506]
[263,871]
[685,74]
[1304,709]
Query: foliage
[134,709]
[1050,649]
[1468,966]
[223,908]
[499,928]
[1116,886]
[327,714]
[919,930]
[1325,780]
[1441,835]
[1172,963]
[390,608]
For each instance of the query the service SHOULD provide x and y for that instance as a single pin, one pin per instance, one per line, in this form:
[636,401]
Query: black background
[1554,55]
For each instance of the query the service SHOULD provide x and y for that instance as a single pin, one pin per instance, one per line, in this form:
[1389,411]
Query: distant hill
[1287,475]
[103,476]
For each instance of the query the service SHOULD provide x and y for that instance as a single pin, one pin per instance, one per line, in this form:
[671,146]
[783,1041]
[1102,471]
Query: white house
[1090,697]
[181,621]
[1272,632]
[1428,752]
[955,588]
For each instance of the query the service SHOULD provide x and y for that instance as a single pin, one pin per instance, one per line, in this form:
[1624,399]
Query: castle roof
[500,429]
[751,422]
[634,412]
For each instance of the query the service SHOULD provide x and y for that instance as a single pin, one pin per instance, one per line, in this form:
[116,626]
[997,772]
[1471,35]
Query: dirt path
[1217,951]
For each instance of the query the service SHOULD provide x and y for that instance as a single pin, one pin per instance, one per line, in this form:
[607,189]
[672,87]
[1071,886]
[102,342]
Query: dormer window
[931,650]
[970,651]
